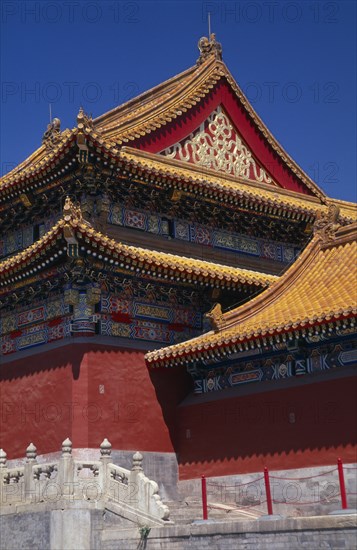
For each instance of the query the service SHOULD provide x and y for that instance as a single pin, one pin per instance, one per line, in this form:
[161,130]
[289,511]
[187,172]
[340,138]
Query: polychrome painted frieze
[22,238]
[275,368]
[202,235]
[138,312]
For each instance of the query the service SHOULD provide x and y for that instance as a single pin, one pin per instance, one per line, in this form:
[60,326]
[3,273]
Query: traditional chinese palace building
[171,279]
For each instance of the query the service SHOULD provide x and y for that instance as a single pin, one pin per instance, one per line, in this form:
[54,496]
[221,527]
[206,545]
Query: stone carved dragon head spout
[209,46]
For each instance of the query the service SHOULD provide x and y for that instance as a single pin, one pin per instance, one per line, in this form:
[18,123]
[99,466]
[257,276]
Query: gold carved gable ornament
[216,145]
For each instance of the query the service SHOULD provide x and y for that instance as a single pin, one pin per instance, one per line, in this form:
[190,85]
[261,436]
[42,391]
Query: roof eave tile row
[171,266]
[158,169]
[256,339]
[310,294]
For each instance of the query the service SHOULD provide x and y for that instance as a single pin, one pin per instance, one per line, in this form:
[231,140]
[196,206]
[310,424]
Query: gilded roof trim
[225,183]
[39,161]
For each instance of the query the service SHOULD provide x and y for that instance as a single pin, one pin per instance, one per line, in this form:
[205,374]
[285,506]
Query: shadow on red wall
[312,424]
[88,392]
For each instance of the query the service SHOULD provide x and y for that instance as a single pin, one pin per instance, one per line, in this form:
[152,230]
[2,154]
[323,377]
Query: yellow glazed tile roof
[179,170]
[41,159]
[321,286]
[156,108]
[178,267]
[159,166]
[191,177]
[42,163]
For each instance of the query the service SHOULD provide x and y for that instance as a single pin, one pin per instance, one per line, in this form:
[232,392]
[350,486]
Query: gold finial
[209,47]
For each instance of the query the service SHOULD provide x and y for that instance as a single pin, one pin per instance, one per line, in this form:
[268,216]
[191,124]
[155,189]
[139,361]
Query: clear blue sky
[296,61]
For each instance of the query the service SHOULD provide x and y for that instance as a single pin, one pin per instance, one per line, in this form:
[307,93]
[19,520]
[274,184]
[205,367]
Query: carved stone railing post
[130,492]
[29,486]
[147,498]
[3,471]
[135,485]
[66,470]
[105,458]
[137,462]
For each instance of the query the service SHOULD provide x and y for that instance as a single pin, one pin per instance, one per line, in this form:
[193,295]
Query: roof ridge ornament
[84,120]
[215,317]
[71,211]
[209,47]
[326,223]
[84,124]
[52,135]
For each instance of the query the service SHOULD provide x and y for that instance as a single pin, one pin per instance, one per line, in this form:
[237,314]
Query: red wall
[50,396]
[244,434]
[35,398]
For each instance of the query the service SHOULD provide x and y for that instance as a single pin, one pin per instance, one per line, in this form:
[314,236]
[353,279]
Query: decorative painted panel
[203,235]
[140,311]
[147,308]
[24,237]
[137,219]
[146,319]
[234,242]
[21,319]
[34,336]
[32,327]
[275,368]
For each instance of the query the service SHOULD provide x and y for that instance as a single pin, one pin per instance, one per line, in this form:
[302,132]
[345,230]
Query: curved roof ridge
[154,256]
[132,152]
[297,268]
[23,255]
[167,103]
[292,274]
[144,96]
[277,196]
[39,158]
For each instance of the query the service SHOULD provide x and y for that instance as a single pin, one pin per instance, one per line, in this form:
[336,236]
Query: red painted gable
[223,95]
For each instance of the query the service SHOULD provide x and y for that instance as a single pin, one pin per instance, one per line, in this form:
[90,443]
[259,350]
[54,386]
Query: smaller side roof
[320,287]
[163,265]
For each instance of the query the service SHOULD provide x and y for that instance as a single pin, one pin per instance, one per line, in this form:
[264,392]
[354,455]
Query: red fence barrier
[204,498]
[269,499]
[268,492]
[341,478]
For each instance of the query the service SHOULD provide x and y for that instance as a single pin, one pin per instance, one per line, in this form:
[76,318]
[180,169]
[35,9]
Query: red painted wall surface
[35,395]
[88,392]
[244,434]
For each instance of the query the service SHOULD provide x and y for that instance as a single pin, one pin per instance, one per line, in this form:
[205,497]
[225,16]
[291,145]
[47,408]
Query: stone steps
[187,511]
